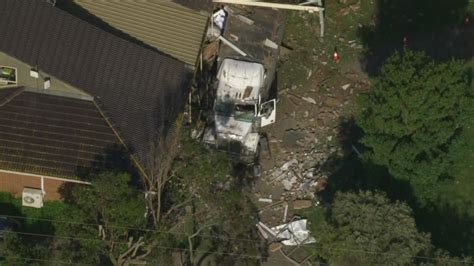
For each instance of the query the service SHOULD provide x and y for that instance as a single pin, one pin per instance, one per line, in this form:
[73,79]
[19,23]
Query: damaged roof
[140,91]
[50,135]
[169,27]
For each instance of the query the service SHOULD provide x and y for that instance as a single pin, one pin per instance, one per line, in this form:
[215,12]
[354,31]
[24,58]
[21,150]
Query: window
[8,75]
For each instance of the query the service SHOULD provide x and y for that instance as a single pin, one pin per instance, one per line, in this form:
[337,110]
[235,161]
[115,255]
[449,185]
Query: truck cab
[238,110]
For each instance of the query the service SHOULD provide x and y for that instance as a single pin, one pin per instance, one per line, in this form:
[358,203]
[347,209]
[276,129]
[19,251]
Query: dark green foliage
[109,202]
[219,204]
[365,228]
[413,116]
[24,249]
[29,242]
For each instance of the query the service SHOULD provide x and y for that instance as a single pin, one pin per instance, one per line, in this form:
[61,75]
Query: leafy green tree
[113,204]
[24,249]
[413,115]
[217,207]
[365,228]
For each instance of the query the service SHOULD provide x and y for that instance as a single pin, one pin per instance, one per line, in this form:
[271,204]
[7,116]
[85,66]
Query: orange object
[336,56]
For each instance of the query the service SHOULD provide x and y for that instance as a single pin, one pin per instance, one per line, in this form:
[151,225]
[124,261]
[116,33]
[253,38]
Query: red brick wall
[14,183]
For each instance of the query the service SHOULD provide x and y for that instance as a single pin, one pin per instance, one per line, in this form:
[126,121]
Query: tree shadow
[450,225]
[115,158]
[351,171]
[443,29]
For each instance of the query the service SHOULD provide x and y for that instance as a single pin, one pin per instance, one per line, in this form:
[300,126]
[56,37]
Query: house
[70,90]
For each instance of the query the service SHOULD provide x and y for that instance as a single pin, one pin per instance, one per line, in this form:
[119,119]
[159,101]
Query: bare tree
[135,253]
[164,151]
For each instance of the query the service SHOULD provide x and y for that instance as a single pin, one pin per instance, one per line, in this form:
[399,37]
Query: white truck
[238,113]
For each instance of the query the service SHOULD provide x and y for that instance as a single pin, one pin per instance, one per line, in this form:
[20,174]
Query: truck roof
[240,80]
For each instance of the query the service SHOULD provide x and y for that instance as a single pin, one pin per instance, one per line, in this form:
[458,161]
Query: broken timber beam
[300,7]
[271,5]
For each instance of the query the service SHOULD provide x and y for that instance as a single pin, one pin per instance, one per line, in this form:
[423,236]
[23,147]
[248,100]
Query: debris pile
[290,234]
[301,179]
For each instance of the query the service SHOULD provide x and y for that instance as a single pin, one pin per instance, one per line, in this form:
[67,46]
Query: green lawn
[31,219]
[310,51]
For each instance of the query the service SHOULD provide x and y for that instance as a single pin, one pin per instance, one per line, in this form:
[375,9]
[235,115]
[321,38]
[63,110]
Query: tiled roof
[51,135]
[169,27]
[7,94]
[140,90]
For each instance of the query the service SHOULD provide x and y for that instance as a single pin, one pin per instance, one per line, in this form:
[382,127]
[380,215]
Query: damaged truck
[238,113]
[246,63]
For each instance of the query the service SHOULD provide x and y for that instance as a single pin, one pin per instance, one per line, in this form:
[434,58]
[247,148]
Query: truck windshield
[244,112]
[241,112]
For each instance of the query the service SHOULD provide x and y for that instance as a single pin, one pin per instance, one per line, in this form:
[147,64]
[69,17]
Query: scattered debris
[346,86]
[356,150]
[288,164]
[209,52]
[270,43]
[285,213]
[266,230]
[245,19]
[267,200]
[231,45]
[301,204]
[234,37]
[294,233]
[309,99]
[275,247]
[262,231]
[219,18]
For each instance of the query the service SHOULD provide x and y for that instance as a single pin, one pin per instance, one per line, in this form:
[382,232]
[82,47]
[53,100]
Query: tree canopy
[365,228]
[413,115]
[116,208]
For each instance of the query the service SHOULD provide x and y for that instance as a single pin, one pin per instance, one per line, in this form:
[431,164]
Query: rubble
[301,204]
[289,234]
[275,247]
[309,99]
[265,200]
[294,233]
[301,179]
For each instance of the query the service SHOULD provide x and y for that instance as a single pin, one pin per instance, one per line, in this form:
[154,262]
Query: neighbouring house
[71,89]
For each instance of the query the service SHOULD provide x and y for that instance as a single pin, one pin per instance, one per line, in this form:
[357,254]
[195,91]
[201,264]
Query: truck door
[267,113]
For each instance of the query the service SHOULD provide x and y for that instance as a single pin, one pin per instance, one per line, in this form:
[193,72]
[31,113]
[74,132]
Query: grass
[30,219]
[310,51]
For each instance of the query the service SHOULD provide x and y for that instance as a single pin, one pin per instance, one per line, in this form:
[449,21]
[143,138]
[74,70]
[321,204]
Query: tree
[163,152]
[24,249]
[113,204]
[217,206]
[365,228]
[413,115]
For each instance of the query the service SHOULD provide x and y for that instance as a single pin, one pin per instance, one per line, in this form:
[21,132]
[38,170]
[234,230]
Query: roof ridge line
[130,154]
[12,95]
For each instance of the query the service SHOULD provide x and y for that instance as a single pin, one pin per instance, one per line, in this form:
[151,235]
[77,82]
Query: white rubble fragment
[309,99]
[294,233]
[245,19]
[270,43]
[287,184]
[265,200]
[287,165]
[346,86]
